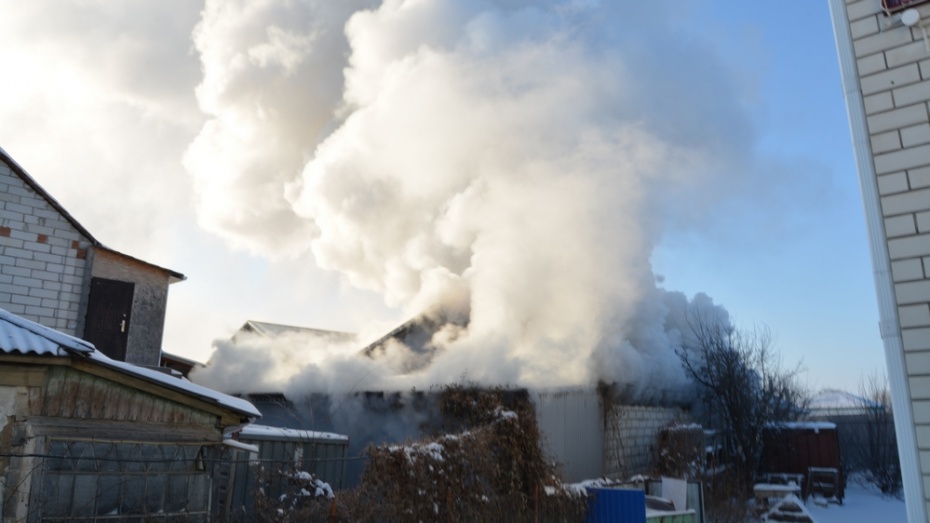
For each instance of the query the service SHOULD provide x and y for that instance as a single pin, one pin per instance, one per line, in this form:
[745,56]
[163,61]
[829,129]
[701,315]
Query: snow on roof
[281,433]
[19,335]
[804,425]
[276,329]
[833,399]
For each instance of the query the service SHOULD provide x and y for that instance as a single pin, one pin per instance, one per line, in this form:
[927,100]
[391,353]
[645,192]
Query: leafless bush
[680,451]
[486,465]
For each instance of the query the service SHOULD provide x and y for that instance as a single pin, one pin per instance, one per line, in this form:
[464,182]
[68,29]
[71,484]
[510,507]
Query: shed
[282,453]
[85,436]
[800,448]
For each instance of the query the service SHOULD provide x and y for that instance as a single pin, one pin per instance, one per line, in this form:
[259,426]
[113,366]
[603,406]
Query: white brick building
[53,272]
[886,78]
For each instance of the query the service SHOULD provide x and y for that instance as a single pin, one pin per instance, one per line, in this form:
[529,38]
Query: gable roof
[34,185]
[21,336]
[273,330]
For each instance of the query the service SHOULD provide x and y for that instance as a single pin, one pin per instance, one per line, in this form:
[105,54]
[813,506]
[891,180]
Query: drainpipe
[881,264]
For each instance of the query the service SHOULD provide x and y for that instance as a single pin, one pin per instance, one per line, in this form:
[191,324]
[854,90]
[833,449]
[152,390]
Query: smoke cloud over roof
[513,161]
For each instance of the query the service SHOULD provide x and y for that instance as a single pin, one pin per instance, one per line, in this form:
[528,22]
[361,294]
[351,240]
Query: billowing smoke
[516,160]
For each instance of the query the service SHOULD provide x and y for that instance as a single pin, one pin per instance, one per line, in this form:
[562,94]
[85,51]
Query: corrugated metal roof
[19,335]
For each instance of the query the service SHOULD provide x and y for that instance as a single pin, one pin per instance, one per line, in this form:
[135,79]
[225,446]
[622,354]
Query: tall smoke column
[520,159]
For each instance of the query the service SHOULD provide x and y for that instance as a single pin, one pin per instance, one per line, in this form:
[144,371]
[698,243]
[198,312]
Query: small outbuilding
[83,436]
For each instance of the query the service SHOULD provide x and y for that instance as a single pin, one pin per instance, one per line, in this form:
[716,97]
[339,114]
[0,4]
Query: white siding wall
[43,258]
[893,68]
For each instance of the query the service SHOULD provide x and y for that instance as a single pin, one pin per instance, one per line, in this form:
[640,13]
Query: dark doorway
[108,310]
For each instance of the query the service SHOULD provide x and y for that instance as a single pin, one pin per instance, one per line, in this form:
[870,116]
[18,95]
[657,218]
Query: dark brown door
[108,310]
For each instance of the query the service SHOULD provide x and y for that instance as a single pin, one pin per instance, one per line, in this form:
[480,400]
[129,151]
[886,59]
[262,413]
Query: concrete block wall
[892,65]
[43,258]
[630,438]
[149,303]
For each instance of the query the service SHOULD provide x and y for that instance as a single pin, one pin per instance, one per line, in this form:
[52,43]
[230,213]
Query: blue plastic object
[616,505]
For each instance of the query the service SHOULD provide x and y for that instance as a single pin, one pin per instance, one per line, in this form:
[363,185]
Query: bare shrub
[487,466]
[680,451]
[879,448]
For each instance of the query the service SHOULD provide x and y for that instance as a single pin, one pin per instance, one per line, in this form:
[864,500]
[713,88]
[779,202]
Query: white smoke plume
[517,160]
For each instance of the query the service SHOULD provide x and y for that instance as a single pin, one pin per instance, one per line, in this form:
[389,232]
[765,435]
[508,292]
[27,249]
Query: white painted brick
[30,264]
[51,285]
[21,235]
[923,222]
[38,310]
[9,197]
[15,271]
[879,42]
[28,282]
[916,339]
[871,64]
[37,247]
[892,183]
[45,275]
[66,234]
[904,159]
[43,293]
[17,253]
[910,246]
[916,135]
[51,303]
[902,225]
[919,177]
[21,190]
[890,79]
[927,265]
[6,242]
[923,442]
[896,119]
[15,308]
[38,229]
[920,387]
[921,415]
[911,201]
[864,27]
[878,102]
[9,288]
[57,268]
[884,142]
[17,208]
[33,201]
[862,9]
[912,292]
[26,300]
[49,258]
[909,53]
[911,94]
[73,280]
[914,315]
[907,270]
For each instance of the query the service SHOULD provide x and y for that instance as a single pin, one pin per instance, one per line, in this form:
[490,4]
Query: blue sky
[114,106]
[810,278]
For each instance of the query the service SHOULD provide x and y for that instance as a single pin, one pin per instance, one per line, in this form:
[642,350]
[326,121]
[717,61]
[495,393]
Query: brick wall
[892,65]
[43,258]
[630,438]
[149,303]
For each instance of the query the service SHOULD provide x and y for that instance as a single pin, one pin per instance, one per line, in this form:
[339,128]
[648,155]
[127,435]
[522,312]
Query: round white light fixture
[910,17]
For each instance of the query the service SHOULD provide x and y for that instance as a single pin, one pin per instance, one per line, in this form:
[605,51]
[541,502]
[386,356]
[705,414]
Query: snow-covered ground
[863,504]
